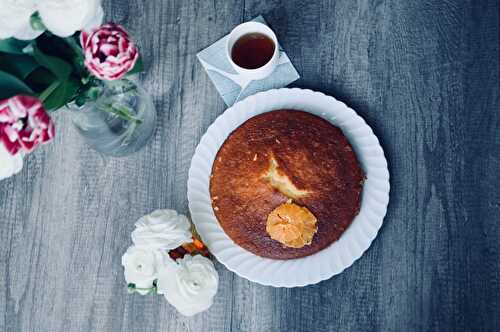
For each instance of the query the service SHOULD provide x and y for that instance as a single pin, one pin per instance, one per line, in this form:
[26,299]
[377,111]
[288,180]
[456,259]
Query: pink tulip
[109,52]
[24,124]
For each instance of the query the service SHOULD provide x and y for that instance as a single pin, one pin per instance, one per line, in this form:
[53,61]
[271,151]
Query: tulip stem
[122,112]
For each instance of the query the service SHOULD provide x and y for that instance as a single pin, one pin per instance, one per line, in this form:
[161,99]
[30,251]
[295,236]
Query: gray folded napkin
[234,87]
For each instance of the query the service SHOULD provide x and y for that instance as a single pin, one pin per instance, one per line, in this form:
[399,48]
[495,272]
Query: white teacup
[245,29]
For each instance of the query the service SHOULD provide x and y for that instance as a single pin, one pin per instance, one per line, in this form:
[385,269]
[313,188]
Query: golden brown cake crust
[312,153]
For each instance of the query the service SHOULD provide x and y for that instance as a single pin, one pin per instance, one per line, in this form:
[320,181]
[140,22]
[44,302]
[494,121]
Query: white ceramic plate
[327,262]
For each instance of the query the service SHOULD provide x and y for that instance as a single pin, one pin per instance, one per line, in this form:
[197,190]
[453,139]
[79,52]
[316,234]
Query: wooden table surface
[424,74]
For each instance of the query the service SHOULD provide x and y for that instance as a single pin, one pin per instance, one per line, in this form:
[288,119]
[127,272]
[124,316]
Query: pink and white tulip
[109,52]
[24,124]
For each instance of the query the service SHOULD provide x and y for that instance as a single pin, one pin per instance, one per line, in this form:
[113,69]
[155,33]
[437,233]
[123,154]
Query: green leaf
[73,43]
[65,49]
[12,86]
[61,95]
[36,22]
[138,67]
[12,46]
[40,79]
[18,65]
[60,68]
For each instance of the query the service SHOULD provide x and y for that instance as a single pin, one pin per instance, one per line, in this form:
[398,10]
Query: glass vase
[120,121]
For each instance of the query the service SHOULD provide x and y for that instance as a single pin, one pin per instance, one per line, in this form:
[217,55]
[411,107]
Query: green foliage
[58,96]
[36,22]
[50,68]
[18,65]
[10,86]
[132,288]
[138,67]
[12,46]
[67,49]
[60,68]
[40,79]
[90,92]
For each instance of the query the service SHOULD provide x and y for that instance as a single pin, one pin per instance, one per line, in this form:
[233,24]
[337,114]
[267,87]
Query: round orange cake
[285,159]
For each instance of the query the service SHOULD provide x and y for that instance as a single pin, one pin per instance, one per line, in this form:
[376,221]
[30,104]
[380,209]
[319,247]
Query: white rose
[15,16]
[9,164]
[162,230]
[141,268]
[64,17]
[189,285]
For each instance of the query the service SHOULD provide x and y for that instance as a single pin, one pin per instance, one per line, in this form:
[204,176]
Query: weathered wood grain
[424,74]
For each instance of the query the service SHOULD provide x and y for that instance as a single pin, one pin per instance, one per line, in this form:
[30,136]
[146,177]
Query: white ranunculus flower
[162,230]
[64,17]
[9,164]
[15,16]
[189,285]
[95,21]
[141,268]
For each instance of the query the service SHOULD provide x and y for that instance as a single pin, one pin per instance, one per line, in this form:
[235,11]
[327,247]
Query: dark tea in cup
[253,50]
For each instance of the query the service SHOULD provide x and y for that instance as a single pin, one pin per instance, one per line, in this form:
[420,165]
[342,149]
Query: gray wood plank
[424,74]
